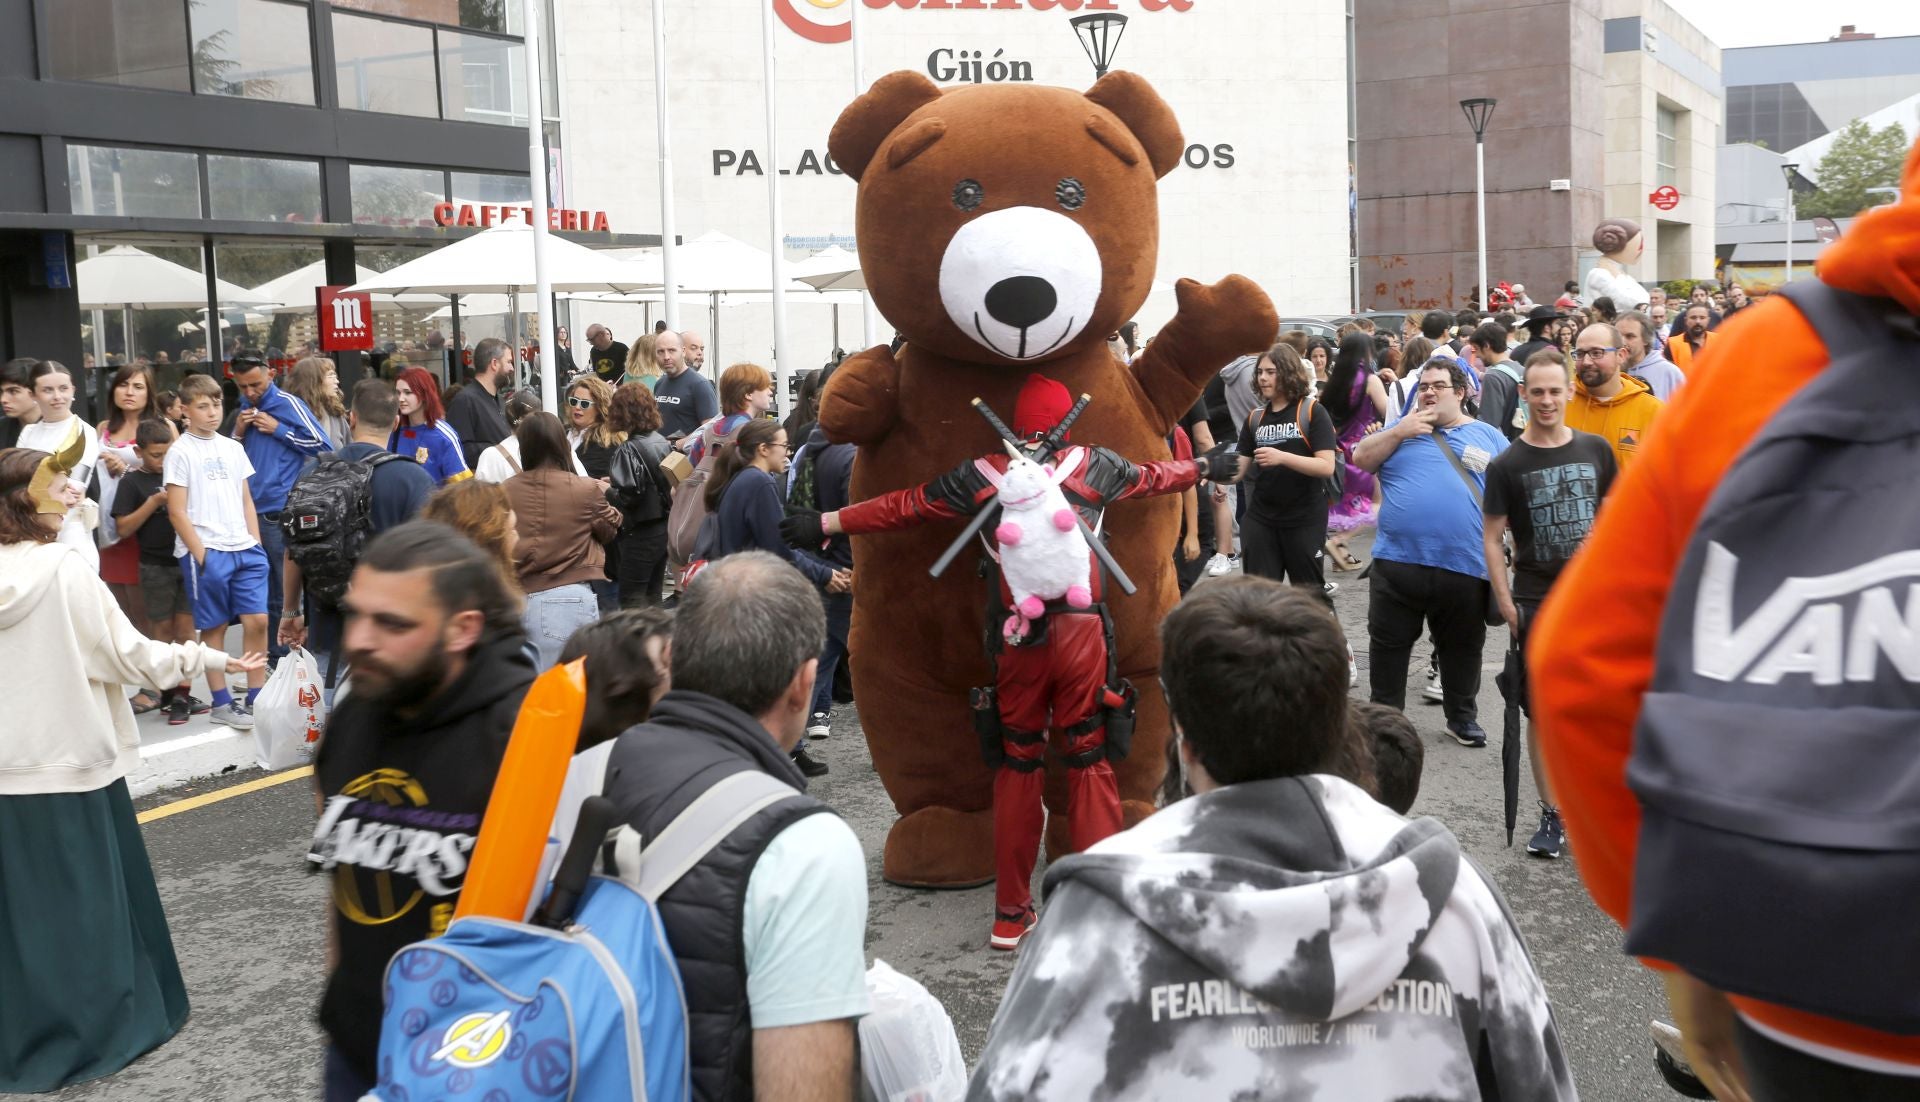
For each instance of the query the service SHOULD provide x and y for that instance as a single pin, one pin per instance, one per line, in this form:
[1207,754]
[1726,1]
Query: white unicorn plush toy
[1043,555]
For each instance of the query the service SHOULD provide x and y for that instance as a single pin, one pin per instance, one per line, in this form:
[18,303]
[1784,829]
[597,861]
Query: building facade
[1599,103]
[1663,123]
[1262,188]
[245,140]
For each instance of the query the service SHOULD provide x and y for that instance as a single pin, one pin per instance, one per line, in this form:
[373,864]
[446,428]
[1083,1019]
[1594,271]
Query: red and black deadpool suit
[1058,675]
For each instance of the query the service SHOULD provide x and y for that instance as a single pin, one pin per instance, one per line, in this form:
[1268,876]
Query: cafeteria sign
[483,215]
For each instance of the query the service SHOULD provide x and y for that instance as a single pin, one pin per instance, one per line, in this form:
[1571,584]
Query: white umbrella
[294,291]
[715,264]
[500,261]
[831,269]
[481,306]
[124,277]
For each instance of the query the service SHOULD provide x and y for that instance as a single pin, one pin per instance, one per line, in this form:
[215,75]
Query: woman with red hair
[423,433]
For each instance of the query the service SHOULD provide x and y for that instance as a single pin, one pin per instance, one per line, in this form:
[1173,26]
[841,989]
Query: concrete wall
[1260,86]
[1416,59]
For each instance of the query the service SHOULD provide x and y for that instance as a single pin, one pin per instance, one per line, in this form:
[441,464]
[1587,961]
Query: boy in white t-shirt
[218,538]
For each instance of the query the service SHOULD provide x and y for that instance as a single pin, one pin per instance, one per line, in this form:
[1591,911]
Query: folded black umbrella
[1512,682]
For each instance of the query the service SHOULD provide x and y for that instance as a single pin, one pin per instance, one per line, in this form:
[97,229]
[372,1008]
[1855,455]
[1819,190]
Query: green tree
[1860,158]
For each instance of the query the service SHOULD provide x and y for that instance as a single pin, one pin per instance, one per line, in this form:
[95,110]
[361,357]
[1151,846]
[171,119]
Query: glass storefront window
[1666,128]
[149,183]
[279,331]
[388,196]
[482,79]
[255,49]
[255,189]
[384,66]
[480,187]
[139,43]
[498,16]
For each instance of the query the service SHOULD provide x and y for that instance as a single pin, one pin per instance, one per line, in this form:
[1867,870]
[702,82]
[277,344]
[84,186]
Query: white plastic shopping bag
[909,1051]
[289,713]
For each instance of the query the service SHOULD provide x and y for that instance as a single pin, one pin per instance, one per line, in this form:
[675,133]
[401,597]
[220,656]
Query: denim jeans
[553,615]
[274,542]
[839,617]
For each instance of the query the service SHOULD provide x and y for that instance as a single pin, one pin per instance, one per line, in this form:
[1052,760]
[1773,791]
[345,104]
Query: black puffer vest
[655,771]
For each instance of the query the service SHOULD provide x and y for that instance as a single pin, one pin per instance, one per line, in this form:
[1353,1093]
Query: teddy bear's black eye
[968,194]
[1071,193]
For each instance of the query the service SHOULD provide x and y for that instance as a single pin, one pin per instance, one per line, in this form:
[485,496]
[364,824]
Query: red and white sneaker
[1009,929]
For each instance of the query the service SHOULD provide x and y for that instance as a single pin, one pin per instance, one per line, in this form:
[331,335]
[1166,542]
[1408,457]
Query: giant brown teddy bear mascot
[1006,230]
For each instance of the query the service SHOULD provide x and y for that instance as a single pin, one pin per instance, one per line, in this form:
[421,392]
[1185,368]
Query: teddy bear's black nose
[1021,301]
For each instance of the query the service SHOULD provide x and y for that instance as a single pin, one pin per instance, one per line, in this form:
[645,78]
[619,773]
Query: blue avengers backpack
[582,1004]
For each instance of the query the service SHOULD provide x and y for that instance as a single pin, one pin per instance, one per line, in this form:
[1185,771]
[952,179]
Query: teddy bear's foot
[939,847]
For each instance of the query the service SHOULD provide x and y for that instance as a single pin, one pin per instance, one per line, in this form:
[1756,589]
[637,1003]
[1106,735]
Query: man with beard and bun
[1279,934]
[1617,407]
[434,641]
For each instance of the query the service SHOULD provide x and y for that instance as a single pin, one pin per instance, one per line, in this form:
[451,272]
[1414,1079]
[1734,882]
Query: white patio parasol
[294,292]
[500,261]
[126,278]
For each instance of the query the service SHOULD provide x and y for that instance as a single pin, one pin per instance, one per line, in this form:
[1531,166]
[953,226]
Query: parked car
[1384,321]
[1322,326]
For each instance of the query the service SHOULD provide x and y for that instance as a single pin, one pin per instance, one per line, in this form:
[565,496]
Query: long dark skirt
[88,979]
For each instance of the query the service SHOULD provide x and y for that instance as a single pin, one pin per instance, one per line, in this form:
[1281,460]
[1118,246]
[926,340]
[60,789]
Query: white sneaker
[817,727]
[232,715]
[1219,565]
[1433,694]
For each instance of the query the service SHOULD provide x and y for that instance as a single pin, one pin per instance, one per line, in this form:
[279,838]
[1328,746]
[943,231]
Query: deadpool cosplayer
[1054,671]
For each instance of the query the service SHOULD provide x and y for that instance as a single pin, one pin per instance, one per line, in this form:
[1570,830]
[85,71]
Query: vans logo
[1806,626]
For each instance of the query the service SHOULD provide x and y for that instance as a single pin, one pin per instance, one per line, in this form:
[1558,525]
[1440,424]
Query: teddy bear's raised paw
[861,402]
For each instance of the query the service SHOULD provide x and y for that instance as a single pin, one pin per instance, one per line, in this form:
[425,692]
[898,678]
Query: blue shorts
[229,585]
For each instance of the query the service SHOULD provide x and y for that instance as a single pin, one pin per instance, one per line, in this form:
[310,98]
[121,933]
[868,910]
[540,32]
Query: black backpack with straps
[328,520]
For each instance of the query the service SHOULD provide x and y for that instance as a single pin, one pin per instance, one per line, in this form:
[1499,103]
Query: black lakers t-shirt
[1549,497]
[401,803]
[1282,496]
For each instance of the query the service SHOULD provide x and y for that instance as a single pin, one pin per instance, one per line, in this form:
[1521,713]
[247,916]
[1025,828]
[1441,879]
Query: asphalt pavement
[249,923]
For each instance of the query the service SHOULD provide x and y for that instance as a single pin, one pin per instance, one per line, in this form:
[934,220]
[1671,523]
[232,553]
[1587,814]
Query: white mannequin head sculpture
[1619,240]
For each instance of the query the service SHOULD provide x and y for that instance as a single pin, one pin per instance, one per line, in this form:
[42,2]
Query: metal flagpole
[1480,206]
[537,158]
[869,317]
[668,271]
[777,248]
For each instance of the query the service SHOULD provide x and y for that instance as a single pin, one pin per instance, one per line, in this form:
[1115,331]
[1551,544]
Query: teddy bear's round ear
[1129,96]
[877,113]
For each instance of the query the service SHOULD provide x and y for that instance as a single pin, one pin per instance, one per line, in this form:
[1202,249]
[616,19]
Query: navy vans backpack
[584,1003]
[1775,755]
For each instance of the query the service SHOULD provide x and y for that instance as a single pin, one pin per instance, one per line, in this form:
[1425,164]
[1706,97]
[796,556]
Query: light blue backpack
[582,1004]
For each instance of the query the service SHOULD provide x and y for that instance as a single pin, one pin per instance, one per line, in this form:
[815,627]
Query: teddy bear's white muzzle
[1021,282]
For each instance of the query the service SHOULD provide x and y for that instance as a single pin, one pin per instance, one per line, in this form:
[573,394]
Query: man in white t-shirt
[769,927]
[217,539]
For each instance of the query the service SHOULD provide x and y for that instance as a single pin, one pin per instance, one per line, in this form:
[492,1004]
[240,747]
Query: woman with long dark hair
[1358,402]
[743,495]
[643,495]
[563,521]
[1286,456]
[423,432]
[135,398]
[88,976]
[315,380]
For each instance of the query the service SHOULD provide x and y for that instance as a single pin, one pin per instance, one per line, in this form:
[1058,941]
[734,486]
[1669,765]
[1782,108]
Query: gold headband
[59,464]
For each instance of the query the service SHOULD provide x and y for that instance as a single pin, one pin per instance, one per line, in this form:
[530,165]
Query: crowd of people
[650,529]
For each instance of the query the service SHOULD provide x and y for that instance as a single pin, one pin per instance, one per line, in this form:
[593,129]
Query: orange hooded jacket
[1622,420]
[1592,653]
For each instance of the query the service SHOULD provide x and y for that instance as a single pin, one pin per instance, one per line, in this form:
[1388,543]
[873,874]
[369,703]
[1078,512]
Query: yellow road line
[192,802]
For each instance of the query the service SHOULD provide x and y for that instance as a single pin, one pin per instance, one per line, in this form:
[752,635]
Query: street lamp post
[1788,171]
[1100,36]
[1478,111]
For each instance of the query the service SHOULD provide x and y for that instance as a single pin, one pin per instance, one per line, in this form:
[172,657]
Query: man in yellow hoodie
[1613,406]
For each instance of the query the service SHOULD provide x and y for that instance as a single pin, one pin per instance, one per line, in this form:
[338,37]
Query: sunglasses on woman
[580,403]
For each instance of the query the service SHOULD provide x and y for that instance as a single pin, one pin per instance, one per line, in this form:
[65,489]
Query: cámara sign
[482,214]
[828,21]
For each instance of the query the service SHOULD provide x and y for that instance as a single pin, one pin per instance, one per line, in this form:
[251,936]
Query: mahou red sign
[346,319]
[481,214]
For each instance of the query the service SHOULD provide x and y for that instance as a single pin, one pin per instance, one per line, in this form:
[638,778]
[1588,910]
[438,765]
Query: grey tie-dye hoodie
[1287,939]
